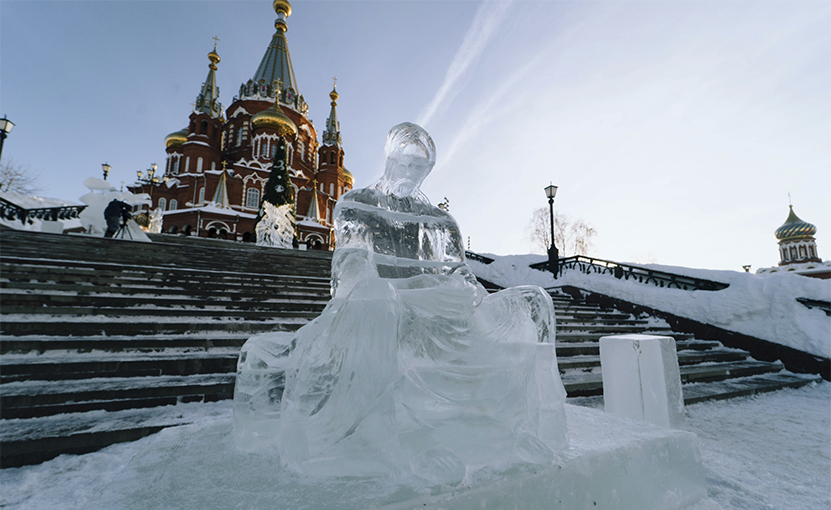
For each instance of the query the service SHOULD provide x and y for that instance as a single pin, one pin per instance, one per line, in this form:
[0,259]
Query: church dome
[794,227]
[348,177]
[176,139]
[282,6]
[274,118]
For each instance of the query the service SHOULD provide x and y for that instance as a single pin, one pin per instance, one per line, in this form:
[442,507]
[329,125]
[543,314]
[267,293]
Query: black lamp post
[106,168]
[5,128]
[553,254]
[152,181]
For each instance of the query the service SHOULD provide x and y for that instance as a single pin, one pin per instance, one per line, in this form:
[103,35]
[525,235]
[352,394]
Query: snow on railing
[589,265]
[478,258]
[12,211]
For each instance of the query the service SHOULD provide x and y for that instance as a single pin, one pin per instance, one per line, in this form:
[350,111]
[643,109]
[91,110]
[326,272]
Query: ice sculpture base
[612,461]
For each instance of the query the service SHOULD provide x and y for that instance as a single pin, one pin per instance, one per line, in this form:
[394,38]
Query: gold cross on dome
[216,40]
[335,78]
[224,165]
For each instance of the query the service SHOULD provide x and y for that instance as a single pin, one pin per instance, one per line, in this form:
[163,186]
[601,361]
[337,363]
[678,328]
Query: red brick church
[217,166]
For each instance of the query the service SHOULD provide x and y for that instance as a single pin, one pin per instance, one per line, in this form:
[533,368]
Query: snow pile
[762,306]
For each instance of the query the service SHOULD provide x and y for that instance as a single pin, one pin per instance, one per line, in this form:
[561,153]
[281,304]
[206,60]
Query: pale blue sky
[676,129]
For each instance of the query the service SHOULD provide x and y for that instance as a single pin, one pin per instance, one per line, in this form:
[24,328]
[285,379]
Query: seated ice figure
[412,366]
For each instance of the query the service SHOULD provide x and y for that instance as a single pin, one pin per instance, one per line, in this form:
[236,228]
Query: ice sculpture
[156,220]
[102,193]
[276,228]
[412,366]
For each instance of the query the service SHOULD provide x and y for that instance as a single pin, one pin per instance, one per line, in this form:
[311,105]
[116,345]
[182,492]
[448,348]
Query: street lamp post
[152,181]
[106,168]
[5,128]
[553,254]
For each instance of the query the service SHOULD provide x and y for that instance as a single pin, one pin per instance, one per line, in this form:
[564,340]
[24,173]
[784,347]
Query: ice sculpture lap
[412,366]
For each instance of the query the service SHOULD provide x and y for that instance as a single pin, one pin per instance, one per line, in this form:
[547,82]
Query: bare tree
[17,178]
[572,237]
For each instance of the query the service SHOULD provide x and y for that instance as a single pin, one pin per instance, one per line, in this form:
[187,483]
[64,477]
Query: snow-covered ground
[763,306]
[768,452]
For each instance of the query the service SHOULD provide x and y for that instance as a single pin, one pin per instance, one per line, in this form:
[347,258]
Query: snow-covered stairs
[99,338]
[709,370]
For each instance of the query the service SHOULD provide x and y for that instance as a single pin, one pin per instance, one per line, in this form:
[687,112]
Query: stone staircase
[99,338]
[108,340]
[709,370]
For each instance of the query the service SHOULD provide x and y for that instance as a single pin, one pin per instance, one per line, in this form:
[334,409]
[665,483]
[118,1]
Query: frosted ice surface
[412,366]
[276,228]
[641,379]
[156,219]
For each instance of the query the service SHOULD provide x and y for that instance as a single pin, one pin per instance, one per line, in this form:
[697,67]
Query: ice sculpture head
[410,154]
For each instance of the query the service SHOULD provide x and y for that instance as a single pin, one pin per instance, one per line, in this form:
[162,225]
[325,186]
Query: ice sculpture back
[412,366]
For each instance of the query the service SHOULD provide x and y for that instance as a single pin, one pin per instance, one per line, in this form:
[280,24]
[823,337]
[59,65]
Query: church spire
[331,135]
[275,65]
[208,99]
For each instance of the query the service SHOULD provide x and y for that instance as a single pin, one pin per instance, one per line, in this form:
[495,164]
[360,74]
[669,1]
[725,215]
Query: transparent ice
[412,366]
[276,228]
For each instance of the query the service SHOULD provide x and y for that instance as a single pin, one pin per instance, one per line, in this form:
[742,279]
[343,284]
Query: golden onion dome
[794,227]
[274,118]
[176,139]
[213,56]
[282,6]
[348,177]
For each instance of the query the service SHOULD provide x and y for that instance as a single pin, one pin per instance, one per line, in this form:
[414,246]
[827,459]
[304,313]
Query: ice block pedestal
[641,379]
[611,463]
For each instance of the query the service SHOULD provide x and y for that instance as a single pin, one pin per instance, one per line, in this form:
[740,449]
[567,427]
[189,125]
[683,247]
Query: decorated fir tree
[275,224]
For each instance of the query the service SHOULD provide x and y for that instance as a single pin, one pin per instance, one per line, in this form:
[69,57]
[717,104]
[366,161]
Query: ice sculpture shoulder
[412,366]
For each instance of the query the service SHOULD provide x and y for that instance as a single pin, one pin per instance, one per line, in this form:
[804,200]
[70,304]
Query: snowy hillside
[762,306]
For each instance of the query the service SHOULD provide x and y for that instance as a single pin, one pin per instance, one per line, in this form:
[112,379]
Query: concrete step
[30,399]
[579,337]
[688,357]
[298,301]
[69,366]
[586,384]
[132,343]
[35,440]
[25,325]
[593,347]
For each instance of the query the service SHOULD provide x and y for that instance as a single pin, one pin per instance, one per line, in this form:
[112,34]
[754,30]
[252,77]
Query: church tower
[218,166]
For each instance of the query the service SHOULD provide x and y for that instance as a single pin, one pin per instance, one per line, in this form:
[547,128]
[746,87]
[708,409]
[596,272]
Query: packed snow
[767,452]
[763,306]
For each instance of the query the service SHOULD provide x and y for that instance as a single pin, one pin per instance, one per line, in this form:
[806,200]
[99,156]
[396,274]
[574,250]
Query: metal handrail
[478,258]
[590,265]
[12,211]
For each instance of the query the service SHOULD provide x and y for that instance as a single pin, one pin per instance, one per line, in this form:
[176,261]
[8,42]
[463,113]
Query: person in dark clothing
[117,213]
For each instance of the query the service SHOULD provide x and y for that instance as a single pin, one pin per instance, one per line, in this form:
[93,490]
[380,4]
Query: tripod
[123,231]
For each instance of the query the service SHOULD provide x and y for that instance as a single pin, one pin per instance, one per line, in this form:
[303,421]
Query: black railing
[12,211]
[478,258]
[588,265]
[825,306]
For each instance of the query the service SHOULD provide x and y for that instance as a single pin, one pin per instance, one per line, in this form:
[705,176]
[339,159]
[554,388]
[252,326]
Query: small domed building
[798,249]
[218,165]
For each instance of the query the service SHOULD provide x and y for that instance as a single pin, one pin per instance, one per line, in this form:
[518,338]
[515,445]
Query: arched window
[332,158]
[174,168]
[300,151]
[802,253]
[204,127]
[173,205]
[199,165]
[187,164]
[793,253]
[811,250]
[239,137]
[332,188]
[163,204]
[252,199]
[273,151]
[201,194]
